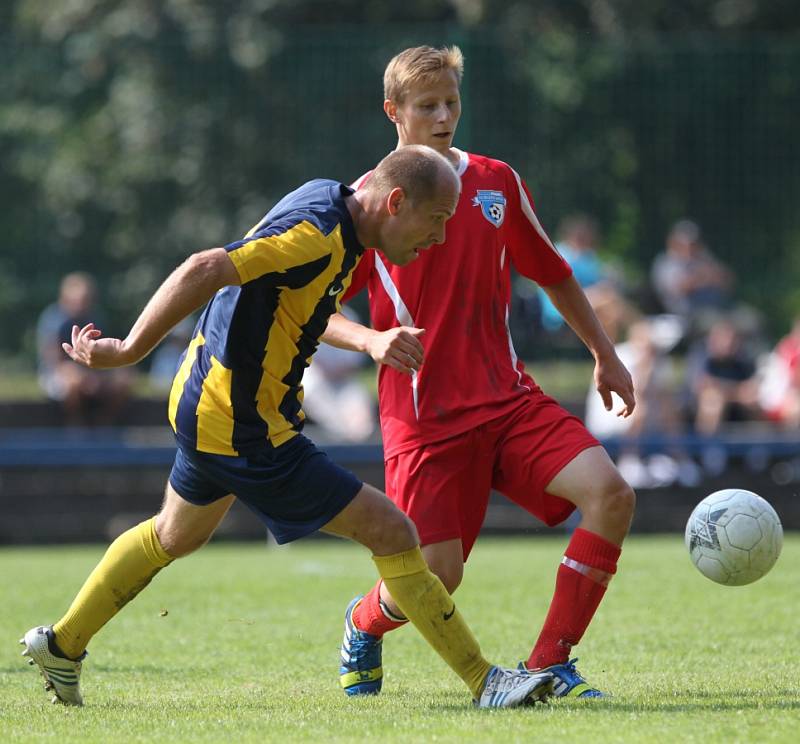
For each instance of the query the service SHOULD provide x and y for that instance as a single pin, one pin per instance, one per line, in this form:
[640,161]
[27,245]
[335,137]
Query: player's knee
[177,548]
[619,500]
[449,574]
[394,533]
[177,542]
[183,546]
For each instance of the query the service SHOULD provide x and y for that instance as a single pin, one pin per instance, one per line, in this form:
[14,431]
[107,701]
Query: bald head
[420,171]
[403,206]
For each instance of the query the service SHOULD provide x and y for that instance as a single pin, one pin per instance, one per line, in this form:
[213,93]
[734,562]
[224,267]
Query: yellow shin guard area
[128,566]
[423,599]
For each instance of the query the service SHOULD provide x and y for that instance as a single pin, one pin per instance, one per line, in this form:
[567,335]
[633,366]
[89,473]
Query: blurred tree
[132,133]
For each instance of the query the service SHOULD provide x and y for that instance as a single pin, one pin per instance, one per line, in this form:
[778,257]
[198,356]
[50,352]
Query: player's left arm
[610,374]
[535,256]
[186,289]
[399,347]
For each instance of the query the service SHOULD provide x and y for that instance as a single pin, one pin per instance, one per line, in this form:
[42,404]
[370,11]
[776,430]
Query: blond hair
[419,64]
[417,169]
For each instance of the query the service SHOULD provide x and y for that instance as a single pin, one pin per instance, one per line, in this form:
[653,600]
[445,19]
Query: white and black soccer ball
[497,211]
[734,537]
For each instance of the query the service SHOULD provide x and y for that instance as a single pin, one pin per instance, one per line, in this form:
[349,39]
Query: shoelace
[360,644]
[504,680]
[570,668]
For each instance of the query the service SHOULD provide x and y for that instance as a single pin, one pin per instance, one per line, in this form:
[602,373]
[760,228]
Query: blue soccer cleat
[360,671]
[568,682]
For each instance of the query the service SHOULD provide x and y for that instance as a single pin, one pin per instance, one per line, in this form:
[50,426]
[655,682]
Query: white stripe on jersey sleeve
[402,315]
[527,210]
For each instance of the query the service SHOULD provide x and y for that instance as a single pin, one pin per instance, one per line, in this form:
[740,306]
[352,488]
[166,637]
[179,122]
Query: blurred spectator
[687,278]
[723,378]
[165,358]
[779,392]
[577,243]
[86,396]
[646,355]
[613,310]
[335,397]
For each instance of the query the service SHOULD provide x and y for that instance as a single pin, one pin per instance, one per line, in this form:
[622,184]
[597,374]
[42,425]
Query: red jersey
[789,351]
[460,292]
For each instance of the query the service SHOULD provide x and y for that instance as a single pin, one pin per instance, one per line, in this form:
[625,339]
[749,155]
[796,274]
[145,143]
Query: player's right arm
[185,290]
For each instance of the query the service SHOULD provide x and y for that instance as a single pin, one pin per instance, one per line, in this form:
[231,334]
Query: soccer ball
[734,537]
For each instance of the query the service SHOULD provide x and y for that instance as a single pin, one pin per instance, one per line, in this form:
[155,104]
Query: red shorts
[445,486]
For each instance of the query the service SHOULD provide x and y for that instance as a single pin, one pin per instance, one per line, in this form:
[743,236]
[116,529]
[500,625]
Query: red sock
[588,565]
[369,617]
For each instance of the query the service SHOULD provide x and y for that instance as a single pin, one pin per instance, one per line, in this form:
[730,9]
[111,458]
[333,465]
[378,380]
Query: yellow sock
[129,564]
[423,599]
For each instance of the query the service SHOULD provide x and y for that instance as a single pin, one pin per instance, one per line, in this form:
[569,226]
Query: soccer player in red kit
[459,414]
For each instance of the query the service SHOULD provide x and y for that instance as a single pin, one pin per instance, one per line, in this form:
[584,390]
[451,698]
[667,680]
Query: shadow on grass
[156,670]
[731,701]
[23,667]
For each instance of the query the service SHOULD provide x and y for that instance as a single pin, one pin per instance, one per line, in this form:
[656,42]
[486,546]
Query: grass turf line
[248,650]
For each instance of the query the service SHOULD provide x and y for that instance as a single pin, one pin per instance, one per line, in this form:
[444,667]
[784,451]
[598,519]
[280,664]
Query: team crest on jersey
[492,204]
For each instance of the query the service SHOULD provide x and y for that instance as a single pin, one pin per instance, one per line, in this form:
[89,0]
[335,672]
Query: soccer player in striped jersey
[235,407]
[470,418]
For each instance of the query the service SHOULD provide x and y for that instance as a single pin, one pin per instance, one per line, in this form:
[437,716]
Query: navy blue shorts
[294,489]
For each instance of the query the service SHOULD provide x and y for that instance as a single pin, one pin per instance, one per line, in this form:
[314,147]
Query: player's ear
[390,108]
[395,199]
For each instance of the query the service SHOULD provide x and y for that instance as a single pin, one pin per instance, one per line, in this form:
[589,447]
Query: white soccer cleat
[510,688]
[61,676]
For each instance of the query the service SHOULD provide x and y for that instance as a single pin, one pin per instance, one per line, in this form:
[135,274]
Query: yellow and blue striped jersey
[238,387]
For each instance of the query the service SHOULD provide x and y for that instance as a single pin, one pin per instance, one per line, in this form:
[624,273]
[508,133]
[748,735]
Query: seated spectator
[779,393]
[577,243]
[646,355]
[578,237]
[86,396]
[165,359]
[723,379]
[613,310]
[335,398]
[687,278]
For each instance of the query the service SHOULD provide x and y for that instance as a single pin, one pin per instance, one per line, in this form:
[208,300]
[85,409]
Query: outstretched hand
[611,376]
[398,348]
[91,350]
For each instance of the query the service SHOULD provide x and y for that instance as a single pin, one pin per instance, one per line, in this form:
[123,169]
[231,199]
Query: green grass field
[239,643]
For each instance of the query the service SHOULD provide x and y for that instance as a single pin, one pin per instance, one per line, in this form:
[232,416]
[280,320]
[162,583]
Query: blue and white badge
[492,204]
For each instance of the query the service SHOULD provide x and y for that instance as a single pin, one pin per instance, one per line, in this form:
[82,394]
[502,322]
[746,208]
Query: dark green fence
[124,149]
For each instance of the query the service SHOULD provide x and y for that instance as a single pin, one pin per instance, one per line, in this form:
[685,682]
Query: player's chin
[409,257]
